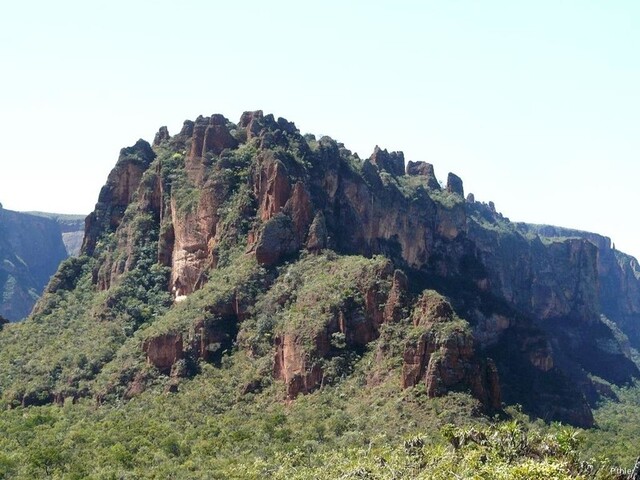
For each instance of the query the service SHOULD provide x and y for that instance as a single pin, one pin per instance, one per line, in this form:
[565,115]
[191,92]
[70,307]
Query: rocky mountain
[31,248]
[302,258]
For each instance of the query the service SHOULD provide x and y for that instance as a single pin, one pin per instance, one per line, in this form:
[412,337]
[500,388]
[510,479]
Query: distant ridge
[31,248]
[71,226]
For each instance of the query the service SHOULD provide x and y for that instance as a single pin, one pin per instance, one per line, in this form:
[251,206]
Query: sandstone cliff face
[556,280]
[554,287]
[618,277]
[192,235]
[117,194]
[211,333]
[31,249]
[291,364]
[262,187]
[164,350]
[302,357]
[441,355]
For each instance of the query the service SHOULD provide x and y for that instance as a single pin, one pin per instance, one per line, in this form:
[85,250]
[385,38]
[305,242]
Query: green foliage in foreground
[617,429]
[193,437]
[359,428]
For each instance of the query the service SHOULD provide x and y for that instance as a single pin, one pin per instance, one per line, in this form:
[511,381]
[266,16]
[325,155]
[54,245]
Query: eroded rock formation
[261,187]
[164,350]
[442,355]
[299,360]
[118,192]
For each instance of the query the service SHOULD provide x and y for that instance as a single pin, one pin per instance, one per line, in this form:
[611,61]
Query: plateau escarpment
[31,248]
[71,226]
[618,275]
[292,250]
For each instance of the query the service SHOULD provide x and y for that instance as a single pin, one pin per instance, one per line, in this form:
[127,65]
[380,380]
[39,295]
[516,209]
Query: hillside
[72,228]
[31,248]
[250,301]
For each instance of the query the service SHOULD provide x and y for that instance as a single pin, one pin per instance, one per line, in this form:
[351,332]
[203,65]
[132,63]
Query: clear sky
[535,104]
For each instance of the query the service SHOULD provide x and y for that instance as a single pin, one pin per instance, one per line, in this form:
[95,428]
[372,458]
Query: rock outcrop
[424,169]
[318,237]
[441,355]
[292,365]
[209,336]
[454,184]
[118,192]
[161,136]
[392,163]
[276,240]
[210,136]
[164,350]
[262,188]
[379,296]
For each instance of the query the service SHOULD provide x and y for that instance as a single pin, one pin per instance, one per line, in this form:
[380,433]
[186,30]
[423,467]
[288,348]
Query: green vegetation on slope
[210,429]
[214,426]
[83,396]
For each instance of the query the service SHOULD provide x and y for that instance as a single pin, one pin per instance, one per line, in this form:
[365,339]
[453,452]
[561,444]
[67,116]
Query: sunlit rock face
[532,297]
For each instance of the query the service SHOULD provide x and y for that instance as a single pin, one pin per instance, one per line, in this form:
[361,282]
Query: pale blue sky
[536,105]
